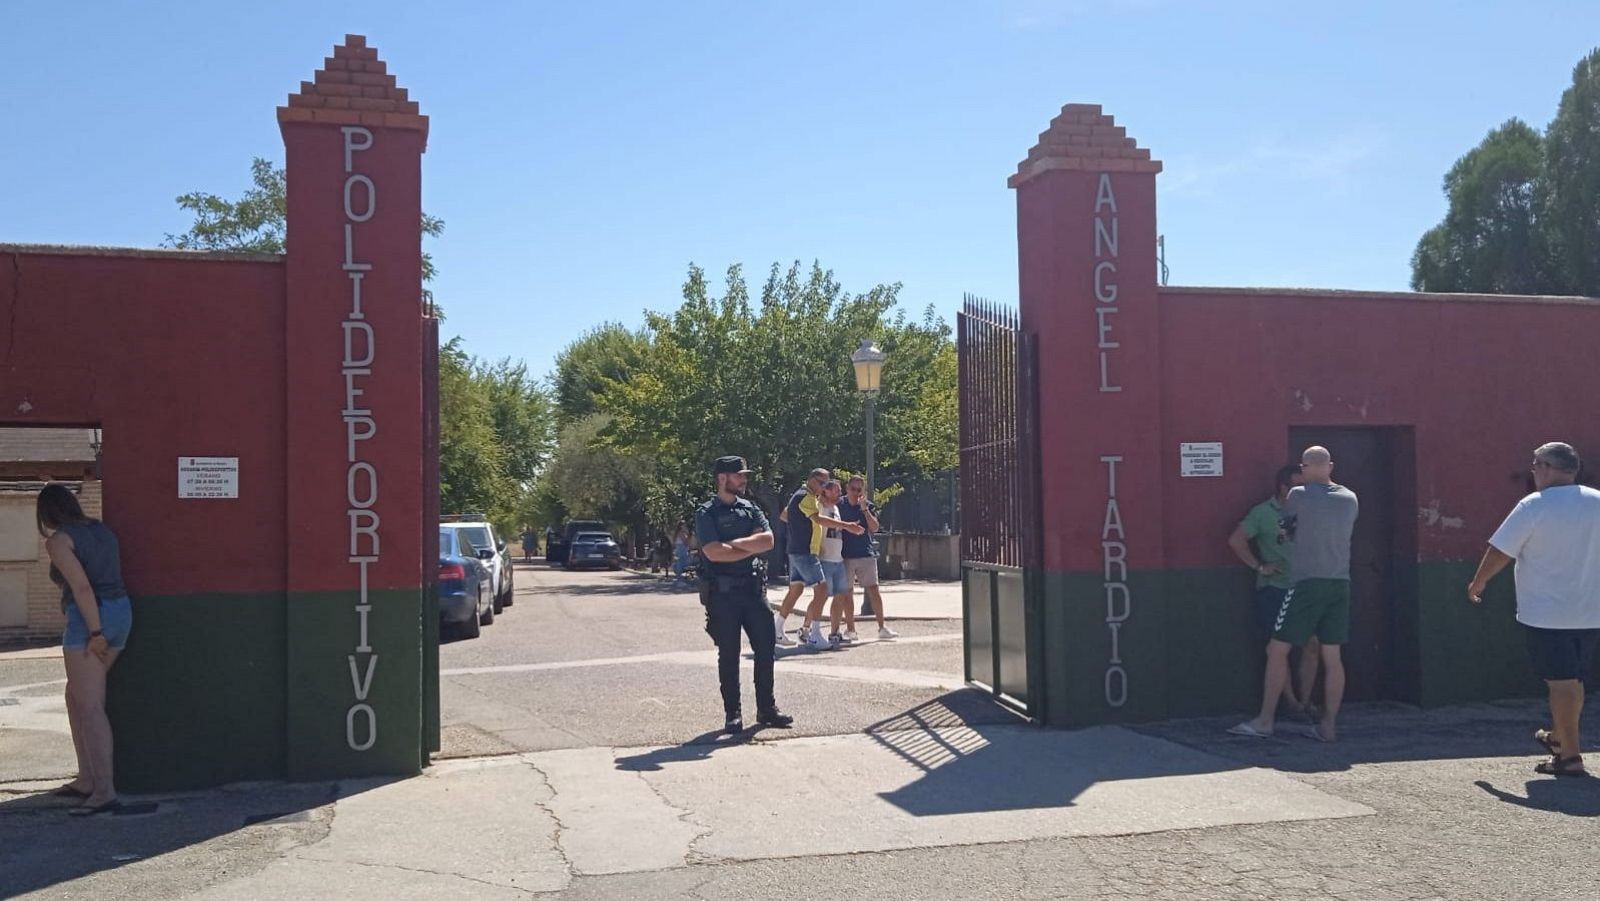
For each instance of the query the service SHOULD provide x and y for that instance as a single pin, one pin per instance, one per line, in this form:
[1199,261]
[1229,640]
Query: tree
[1524,209]
[472,462]
[1572,166]
[593,478]
[257,221]
[1490,241]
[601,358]
[772,381]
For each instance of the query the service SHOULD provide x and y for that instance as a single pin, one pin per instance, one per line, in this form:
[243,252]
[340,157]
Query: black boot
[774,717]
[734,725]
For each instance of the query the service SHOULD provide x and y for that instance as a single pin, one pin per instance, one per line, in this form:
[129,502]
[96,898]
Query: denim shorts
[837,577]
[806,569]
[116,621]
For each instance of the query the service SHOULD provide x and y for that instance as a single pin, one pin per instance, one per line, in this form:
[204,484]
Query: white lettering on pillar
[1119,601]
[360,425]
[1106,234]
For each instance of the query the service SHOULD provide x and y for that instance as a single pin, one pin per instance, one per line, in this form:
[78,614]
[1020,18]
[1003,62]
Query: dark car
[466,588]
[557,547]
[594,549]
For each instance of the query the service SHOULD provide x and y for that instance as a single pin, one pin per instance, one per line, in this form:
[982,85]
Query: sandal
[1561,766]
[67,791]
[1546,740]
[84,810]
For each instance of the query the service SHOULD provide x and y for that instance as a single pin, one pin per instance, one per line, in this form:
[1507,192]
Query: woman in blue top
[86,561]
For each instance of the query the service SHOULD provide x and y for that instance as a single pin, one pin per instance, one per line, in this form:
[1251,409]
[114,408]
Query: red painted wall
[1482,380]
[172,354]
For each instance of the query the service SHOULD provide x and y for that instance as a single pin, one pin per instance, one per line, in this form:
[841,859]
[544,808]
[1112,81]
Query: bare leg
[1332,690]
[84,781]
[876,598]
[1310,657]
[87,675]
[790,597]
[819,599]
[1566,706]
[836,612]
[1277,675]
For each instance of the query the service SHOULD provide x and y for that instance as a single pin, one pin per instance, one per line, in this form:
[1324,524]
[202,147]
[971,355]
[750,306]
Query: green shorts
[1319,607]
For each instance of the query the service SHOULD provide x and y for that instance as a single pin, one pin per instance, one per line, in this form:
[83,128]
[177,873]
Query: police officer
[733,534]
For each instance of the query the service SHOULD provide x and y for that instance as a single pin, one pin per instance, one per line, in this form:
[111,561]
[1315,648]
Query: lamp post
[868,361]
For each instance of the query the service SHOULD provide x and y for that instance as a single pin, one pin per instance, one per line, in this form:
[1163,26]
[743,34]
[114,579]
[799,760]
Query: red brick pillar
[1086,235]
[356,571]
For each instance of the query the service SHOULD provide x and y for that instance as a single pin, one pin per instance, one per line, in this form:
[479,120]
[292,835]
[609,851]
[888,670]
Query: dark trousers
[736,607]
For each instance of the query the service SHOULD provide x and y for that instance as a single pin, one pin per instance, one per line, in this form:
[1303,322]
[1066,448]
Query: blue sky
[582,154]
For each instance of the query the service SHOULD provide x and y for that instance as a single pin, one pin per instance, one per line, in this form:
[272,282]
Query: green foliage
[472,461]
[1524,209]
[769,379]
[1572,166]
[595,479]
[588,367]
[1489,241]
[256,222]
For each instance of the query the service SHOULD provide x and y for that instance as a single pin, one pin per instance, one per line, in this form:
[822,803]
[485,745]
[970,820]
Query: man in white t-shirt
[834,571]
[1554,536]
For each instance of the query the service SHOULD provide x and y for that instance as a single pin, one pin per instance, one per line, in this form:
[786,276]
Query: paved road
[935,793]
[621,660]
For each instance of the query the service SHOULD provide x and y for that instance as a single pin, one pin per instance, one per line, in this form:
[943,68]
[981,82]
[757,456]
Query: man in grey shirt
[1319,517]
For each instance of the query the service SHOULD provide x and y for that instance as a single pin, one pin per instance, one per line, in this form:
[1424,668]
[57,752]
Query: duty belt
[722,584]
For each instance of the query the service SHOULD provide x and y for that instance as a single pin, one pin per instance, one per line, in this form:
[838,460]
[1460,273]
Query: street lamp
[868,361]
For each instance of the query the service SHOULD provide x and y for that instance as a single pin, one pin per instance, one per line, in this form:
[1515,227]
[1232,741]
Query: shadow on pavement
[701,747]
[44,846]
[1571,796]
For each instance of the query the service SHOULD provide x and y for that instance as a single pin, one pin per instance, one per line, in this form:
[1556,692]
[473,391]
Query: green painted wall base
[211,689]
[1190,647]
[197,698]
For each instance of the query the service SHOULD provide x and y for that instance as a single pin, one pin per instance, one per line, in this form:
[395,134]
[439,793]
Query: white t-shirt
[1554,535]
[832,541]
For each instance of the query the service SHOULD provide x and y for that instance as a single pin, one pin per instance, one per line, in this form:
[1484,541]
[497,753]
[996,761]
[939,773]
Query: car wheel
[616,566]
[488,616]
[509,598]
[496,606]
[468,629]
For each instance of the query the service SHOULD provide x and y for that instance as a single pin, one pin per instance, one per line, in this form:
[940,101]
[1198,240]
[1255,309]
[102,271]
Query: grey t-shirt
[1319,519]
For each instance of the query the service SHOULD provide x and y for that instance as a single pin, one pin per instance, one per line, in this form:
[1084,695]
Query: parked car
[490,549]
[556,548]
[466,601]
[594,549]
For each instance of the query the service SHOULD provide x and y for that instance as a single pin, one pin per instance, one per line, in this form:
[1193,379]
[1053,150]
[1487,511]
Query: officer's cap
[730,464]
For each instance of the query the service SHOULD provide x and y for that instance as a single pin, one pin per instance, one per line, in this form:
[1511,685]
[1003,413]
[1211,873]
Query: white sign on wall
[208,477]
[1201,459]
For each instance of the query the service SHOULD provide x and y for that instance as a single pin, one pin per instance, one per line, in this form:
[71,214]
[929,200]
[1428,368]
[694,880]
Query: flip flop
[84,810]
[67,791]
[1249,729]
[1314,733]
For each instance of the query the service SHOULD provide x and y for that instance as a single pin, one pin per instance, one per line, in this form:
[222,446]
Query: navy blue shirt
[799,525]
[717,521]
[856,546]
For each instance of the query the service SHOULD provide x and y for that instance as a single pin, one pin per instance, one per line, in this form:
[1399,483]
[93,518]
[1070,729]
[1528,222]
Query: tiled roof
[43,445]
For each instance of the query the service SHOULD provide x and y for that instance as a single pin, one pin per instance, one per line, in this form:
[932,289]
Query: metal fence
[999,488]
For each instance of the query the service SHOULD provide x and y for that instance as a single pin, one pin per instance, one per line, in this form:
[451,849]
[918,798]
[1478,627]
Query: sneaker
[851,637]
[785,641]
[885,633]
[816,641]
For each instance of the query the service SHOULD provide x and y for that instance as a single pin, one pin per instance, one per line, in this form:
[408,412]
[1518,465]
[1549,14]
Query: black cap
[730,464]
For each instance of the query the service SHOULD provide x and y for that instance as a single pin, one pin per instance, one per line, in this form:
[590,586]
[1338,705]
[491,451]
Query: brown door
[1364,462]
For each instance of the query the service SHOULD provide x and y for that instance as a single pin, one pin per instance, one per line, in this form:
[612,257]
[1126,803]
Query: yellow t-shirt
[808,506]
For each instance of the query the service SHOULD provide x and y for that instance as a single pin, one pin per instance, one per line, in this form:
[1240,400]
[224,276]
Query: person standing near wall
[1269,558]
[1553,535]
[86,560]
[733,534]
[860,560]
[1319,517]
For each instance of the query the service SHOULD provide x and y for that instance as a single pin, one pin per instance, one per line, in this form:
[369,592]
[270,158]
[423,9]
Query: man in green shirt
[1269,557]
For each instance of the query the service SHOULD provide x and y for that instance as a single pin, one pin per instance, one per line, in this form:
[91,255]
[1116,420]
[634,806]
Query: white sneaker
[885,633]
[817,641]
[785,641]
[850,637]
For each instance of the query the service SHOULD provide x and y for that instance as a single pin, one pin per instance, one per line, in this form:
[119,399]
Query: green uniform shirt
[716,521]
[1261,526]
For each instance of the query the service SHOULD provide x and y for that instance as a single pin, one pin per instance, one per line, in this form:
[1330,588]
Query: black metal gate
[1000,553]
